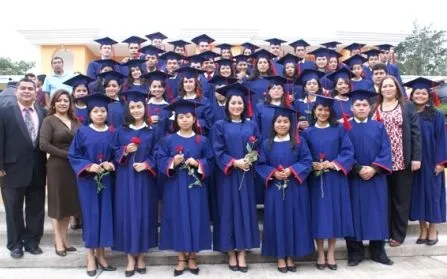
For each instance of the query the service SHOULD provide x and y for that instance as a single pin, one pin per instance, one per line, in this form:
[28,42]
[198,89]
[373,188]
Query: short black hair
[378,67]
[25,79]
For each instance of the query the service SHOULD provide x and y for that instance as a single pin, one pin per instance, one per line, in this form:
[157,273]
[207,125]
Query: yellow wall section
[81,56]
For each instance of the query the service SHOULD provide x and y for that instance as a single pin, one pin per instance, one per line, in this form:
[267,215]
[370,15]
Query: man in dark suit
[22,170]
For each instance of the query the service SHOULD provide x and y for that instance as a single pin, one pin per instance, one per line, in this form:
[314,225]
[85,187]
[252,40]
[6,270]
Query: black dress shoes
[383,260]
[142,270]
[91,273]
[332,266]
[432,242]
[282,269]
[354,262]
[129,273]
[17,253]
[105,268]
[34,250]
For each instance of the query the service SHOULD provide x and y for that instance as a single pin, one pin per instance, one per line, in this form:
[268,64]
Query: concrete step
[156,257]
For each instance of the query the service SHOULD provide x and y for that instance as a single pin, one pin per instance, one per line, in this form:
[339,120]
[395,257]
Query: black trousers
[399,197]
[24,230]
[356,250]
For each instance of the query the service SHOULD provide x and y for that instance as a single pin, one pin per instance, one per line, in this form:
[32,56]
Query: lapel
[21,122]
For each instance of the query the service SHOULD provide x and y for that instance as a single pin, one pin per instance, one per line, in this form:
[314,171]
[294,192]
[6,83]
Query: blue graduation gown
[172,84]
[264,117]
[305,64]
[341,106]
[115,114]
[259,88]
[218,112]
[82,115]
[237,225]
[304,109]
[207,88]
[367,74]
[277,68]
[204,115]
[362,84]
[330,200]
[326,83]
[428,196]
[94,68]
[96,208]
[162,126]
[135,202]
[369,198]
[294,90]
[185,225]
[287,213]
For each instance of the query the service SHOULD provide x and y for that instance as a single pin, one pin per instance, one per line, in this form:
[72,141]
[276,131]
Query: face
[355,51]
[189,84]
[236,106]
[388,89]
[180,50]
[98,115]
[420,97]
[185,121]
[112,89]
[242,67]
[225,71]
[290,69]
[275,49]
[372,61]
[204,46]
[226,54]
[361,109]
[172,65]
[378,76]
[208,66]
[57,65]
[300,52]
[219,97]
[152,61]
[276,92]
[106,51]
[342,86]
[137,110]
[332,64]
[135,72]
[383,57]
[157,43]
[247,52]
[357,70]
[282,125]
[321,62]
[62,104]
[26,92]
[156,89]
[322,113]
[34,79]
[80,91]
[312,86]
[262,65]
[133,50]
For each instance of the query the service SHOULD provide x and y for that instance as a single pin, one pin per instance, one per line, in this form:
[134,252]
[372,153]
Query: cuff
[124,156]
[382,167]
[339,167]
[201,169]
[296,175]
[170,167]
[228,166]
[83,171]
[151,170]
[269,177]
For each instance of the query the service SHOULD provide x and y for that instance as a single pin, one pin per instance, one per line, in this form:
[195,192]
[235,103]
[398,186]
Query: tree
[9,67]
[423,52]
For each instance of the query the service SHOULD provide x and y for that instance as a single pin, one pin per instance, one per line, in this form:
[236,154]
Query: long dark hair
[320,88]
[130,79]
[227,112]
[255,72]
[233,71]
[268,98]
[335,92]
[399,93]
[194,124]
[129,119]
[163,84]
[70,113]
[331,119]
[295,72]
[198,89]
[429,109]
[291,134]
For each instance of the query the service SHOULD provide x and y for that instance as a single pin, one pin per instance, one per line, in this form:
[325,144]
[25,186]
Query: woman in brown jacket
[56,134]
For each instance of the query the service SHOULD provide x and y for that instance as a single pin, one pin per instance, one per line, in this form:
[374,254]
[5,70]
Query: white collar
[275,103]
[286,138]
[236,121]
[180,134]
[152,101]
[98,130]
[306,100]
[361,121]
[186,97]
[340,99]
[133,127]
[320,127]
[81,107]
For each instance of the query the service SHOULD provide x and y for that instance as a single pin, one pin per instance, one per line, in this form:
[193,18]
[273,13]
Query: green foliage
[9,67]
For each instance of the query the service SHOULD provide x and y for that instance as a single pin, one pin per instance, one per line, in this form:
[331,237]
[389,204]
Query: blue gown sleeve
[223,160]
[163,158]
[441,148]
[263,168]
[76,152]
[207,116]
[119,149]
[302,168]
[383,159]
[345,158]
[149,161]
[206,161]
[91,70]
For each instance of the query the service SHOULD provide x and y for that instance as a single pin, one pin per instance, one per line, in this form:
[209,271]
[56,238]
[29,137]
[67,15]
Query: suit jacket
[24,164]
[411,130]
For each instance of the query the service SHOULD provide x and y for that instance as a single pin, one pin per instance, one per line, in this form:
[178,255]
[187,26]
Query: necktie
[30,124]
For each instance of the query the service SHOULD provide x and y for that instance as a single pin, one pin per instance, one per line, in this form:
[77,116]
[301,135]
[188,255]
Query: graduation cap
[151,50]
[96,100]
[262,53]
[283,111]
[250,46]
[234,89]
[299,43]
[276,80]
[354,46]
[309,74]
[385,47]
[361,94]
[422,83]
[332,44]
[179,43]
[134,63]
[288,58]
[225,62]
[372,52]
[189,72]
[112,75]
[355,60]
[323,100]
[135,94]
[341,73]
[155,36]
[156,75]
[170,55]
[209,55]
[218,80]
[106,41]
[202,38]
[275,41]
[241,58]
[78,80]
[134,40]
[182,106]
[224,46]
[197,58]
[107,62]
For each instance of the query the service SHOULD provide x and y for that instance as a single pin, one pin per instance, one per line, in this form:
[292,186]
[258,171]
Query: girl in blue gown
[135,203]
[219,102]
[332,156]
[342,86]
[284,164]
[186,160]
[79,84]
[242,69]
[428,202]
[90,155]
[236,228]
[290,72]
[358,82]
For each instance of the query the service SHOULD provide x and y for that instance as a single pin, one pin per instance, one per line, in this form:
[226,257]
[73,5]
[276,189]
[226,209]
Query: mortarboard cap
[209,55]
[276,80]
[134,40]
[275,41]
[250,46]
[155,36]
[372,52]
[202,38]
[106,41]
[283,111]
[332,44]
[151,50]
[262,53]
[385,47]
[354,46]
[170,55]
[299,43]
[309,74]
[189,72]
[225,62]
[355,60]
[96,100]
[197,58]
[182,106]
[361,94]
[323,100]
[134,63]
[224,46]
[218,80]
[179,43]
[421,83]
[341,73]
[241,58]
[78,80]
[107,62]
[234,89]
[112,75]
[135,94]
[156,75]
[288,58]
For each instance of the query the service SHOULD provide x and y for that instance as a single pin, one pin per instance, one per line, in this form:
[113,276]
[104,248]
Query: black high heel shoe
[196,270]
[142,270]
[332,266]
[431,242]
[105,268]
[233,267]
[62,253]
[282,269]
[179,272]
[92,273]
[70,249]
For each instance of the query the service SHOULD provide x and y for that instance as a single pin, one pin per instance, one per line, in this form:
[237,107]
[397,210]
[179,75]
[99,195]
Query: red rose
[179,149]
[280,168]
[100,157]
[322,156]
[80,119]
[112,129]
[252,139]
[136,140]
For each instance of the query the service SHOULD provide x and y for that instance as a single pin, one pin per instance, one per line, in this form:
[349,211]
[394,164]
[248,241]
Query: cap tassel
[249,107]
[325,92]
[436,100]
[273,68]
[346,122]
[393,58]
[199,131]
[297,132]
[169,92]
[148,113]
[378,117]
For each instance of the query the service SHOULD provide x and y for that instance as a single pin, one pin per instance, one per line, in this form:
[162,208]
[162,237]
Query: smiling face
[171,66]
[321,62]
[388,89]
[26,93]
[189,85]
[157,90]
[80,91]
[282,125]
[185,121]
[276,92]
[112,89]
[225,71]
[322,113]
[204,46]
[236,106]
[420,97]
[62,104]
[135,72]
[137,110]
[342,86]
[242,66]
[332,64]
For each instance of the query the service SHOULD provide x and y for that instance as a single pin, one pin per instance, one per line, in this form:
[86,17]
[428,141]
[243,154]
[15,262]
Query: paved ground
[403,268]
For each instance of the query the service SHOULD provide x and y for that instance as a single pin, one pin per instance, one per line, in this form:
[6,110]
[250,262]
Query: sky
[173,17]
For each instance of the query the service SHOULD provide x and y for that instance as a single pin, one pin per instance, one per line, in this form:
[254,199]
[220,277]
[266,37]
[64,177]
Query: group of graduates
[212,136]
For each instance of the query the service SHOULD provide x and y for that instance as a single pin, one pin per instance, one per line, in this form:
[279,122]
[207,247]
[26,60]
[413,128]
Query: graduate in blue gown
[79,83]
[322,56]
[134,50]
[208,66]
[284,164]
[185,225]
[332,156]
[218,105]
[299,47]
[373,59]
[384,58]
[290,72]
[236,229]
[152,62]
[179,47]
[342,86]
[106,51]
[276,49]
[135,202]
[355,63]
[242,67]
[91,154]
[428,197]
[172,81]
[134,79]
[368,182]
[310,81]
